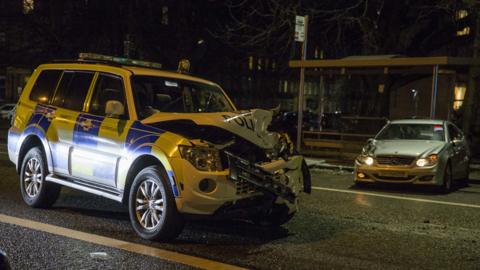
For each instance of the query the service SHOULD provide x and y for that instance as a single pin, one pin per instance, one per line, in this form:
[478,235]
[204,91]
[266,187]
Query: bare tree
[339,27]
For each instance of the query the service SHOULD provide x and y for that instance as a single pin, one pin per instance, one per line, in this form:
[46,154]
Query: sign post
[301,33]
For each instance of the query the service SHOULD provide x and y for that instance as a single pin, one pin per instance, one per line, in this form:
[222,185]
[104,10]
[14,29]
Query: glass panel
[107,88]
[45,86]
[73,90]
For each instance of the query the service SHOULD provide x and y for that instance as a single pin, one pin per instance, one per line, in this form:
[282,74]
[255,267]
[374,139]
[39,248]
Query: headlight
[428,161]
[367,160]
[283,148]
[202,158]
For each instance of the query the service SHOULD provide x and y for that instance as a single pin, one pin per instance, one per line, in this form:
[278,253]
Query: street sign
[300,28]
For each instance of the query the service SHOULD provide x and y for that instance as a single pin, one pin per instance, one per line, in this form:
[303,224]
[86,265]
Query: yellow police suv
[165,143]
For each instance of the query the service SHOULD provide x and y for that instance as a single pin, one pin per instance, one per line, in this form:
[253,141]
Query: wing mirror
[114,108]
[457,141]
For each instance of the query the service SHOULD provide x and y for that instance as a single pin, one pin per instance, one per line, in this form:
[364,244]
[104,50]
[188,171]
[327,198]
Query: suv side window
[45,85]
[73,90]
[107,87]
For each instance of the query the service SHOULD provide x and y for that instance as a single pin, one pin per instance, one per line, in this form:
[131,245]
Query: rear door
[99,138]
[68,102]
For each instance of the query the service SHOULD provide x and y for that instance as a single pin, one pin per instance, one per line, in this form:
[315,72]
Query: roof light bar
[119,60]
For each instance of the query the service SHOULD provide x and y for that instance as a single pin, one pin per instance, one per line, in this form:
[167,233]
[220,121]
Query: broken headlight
[283,148]
[202,158]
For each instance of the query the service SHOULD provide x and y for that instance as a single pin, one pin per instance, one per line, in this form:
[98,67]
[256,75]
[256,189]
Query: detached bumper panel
[242,171]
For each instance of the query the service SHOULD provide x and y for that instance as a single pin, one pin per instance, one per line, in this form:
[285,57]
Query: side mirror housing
[114,108]
[456,142]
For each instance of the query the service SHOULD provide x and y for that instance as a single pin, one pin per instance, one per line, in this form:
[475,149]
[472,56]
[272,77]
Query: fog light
[361,175]
[207,185]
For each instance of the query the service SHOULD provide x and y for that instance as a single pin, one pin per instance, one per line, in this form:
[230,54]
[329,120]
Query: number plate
[392,174]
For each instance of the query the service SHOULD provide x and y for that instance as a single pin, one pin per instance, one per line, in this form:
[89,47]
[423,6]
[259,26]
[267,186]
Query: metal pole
[433,102]
[301,89]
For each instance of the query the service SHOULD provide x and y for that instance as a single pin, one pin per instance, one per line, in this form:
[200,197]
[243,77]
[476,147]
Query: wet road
[338,227]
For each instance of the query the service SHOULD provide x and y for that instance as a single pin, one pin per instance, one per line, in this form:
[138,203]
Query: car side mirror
[457,141]
[114,108]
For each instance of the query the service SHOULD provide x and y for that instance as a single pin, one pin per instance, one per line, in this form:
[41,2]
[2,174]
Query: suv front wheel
[152,208]
[36,192]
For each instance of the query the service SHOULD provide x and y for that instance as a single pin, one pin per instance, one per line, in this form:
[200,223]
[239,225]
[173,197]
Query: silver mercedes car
[414,151]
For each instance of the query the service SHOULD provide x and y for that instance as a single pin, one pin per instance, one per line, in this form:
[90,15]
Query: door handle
[86,124]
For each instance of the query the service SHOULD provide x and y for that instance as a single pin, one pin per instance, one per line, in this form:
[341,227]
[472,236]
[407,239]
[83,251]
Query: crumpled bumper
[241,181]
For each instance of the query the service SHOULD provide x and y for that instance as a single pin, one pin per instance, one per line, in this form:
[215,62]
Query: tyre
[275,217]
[447,179]
[152,208]
[36,192]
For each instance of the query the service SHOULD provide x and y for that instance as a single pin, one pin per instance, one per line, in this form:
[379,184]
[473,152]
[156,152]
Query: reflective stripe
[86,130]
[140,138]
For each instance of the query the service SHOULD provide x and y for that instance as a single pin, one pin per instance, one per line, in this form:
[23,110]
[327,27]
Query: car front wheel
[278,215]
[152,208]
[447,179]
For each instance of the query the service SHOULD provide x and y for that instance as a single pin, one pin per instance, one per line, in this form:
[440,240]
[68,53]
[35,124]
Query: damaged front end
[238,151]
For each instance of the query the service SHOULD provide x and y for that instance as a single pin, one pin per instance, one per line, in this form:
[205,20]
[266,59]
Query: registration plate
[392,174]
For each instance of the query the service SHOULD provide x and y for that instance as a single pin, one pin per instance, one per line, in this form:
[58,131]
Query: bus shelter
[439,87]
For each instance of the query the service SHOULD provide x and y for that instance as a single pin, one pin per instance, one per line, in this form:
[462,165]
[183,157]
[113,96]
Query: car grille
[244,187]
[395,160]
[394,178]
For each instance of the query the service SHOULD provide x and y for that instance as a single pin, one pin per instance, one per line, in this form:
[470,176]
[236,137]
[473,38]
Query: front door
[99,138]
[458,143]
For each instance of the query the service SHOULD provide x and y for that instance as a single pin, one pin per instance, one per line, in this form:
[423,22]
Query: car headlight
[202,158]
[428,161]
[367,160]
[283,148]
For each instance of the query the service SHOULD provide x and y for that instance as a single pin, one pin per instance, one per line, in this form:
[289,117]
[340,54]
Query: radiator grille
[395,160]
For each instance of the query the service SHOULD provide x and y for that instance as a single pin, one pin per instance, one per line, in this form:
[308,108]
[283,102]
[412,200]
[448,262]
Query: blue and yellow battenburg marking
[138,138]
[40,121]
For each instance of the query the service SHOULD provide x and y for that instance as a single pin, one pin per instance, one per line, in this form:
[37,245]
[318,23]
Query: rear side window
[73,90]
[45,85]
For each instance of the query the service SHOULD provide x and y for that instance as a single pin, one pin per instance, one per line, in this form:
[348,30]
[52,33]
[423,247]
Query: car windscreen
[158,94]
[430,132]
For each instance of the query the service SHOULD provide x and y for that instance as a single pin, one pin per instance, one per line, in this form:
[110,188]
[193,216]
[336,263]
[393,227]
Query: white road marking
[397,197]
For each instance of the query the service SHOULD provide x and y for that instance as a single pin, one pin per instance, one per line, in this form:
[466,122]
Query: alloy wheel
[33,177]
[149,204]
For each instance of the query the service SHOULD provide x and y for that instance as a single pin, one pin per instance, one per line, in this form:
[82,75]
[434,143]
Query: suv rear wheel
[152,208]
[36,192]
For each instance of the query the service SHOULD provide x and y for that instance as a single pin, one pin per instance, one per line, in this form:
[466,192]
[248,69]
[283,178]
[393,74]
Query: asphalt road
[338,227]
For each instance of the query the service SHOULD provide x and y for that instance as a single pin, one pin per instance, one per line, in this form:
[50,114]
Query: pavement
[338,226]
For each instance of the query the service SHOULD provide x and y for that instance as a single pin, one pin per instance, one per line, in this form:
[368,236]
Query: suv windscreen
[45,85]
[157,94]
[412,132]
